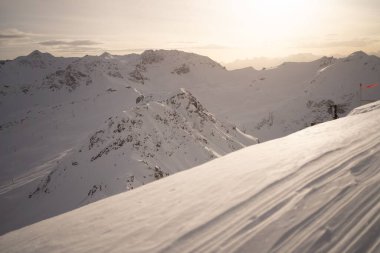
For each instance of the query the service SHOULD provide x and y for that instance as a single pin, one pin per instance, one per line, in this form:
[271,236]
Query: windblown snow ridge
[317,190]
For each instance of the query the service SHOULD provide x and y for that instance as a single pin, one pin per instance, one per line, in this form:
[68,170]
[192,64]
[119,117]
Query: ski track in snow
[317,190]
[33,174]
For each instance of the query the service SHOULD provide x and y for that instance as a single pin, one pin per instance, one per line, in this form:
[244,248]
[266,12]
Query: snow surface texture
[316,190]
[59,118]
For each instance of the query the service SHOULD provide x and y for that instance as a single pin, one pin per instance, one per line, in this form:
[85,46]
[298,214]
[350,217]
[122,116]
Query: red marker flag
[369,86]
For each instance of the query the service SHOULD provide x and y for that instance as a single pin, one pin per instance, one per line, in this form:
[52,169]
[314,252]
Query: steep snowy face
[147,143]
[144,144]
[316,190]
[151,141]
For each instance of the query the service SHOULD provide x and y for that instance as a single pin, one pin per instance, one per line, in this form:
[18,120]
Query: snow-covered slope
[313,191]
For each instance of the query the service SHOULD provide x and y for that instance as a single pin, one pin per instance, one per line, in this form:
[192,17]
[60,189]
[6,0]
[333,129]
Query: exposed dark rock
[150,57]
[137,74]
[139,99]
[184,69]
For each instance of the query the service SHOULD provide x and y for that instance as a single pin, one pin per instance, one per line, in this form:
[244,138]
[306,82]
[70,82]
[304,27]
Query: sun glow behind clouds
[263,27]
[271,21]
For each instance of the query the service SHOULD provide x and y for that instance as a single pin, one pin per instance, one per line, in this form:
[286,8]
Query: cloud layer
[9,34]
[69,43]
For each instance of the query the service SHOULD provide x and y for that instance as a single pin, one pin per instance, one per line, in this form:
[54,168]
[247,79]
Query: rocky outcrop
[164,137]
[69,78]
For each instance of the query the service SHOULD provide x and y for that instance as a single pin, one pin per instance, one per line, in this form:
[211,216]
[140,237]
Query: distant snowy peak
[36,59]
[38,54]
[155,56]
[361,57]
[169,62]
[180,62]
[107,56]
[357,54]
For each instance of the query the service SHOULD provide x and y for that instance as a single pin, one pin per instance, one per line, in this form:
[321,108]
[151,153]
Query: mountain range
[76,130]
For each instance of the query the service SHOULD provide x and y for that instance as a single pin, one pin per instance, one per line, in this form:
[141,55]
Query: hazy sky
[222,29]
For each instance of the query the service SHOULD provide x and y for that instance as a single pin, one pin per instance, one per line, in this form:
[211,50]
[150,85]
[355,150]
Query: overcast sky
[225,30]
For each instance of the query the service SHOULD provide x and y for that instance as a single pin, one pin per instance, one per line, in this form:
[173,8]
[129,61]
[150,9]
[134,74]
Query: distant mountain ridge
[268,62]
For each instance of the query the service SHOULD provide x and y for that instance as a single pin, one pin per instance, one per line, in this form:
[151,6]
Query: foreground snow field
[317,190]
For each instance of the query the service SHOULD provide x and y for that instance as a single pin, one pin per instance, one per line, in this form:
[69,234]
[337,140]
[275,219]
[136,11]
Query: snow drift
[316,190]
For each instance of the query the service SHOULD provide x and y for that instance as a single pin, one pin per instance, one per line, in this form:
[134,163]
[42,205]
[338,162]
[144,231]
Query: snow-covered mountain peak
[36,59]
[356,56]
[179,119]
[106,55]
[177,57]
[38,54]
[184,102]
[152,56]
[326,61]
